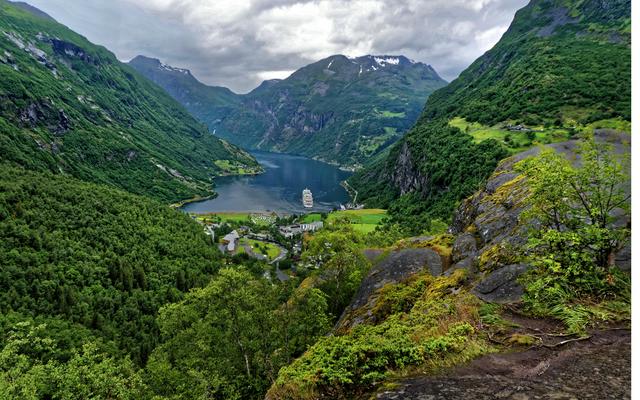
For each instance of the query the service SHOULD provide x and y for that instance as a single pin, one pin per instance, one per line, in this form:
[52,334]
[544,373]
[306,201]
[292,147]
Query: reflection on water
[279,188]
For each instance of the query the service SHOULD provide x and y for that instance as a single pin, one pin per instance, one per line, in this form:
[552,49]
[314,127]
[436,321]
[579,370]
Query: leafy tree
[229,339]
[341,265]
[27,370]
[581,213]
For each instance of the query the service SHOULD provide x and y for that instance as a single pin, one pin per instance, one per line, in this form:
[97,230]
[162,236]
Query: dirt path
[597,368]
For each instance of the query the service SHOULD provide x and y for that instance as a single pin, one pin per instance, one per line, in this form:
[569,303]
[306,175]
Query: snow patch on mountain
[169,68]
[382,61]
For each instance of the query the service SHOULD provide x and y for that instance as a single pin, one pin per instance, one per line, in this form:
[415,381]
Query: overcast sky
[239,43]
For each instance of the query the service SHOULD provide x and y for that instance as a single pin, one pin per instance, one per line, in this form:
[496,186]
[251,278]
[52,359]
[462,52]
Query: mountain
[339,109]
[209,104]
[33,10]
[71,107]
[561,69]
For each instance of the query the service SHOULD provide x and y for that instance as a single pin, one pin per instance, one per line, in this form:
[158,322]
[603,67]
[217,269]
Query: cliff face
[487,239]
[560,67]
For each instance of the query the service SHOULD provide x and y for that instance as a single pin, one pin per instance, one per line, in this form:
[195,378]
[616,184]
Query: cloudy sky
[239,43]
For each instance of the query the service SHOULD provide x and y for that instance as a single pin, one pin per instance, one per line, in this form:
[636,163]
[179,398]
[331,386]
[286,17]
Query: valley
[463,239]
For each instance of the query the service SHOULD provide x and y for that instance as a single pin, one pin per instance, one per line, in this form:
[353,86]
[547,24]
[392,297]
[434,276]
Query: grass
[313,217]
[232,167]
[223,217]
[514,140]
[272,251]
[364,221]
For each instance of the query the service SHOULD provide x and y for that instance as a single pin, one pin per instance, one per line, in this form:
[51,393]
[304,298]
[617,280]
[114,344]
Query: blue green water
[279,188]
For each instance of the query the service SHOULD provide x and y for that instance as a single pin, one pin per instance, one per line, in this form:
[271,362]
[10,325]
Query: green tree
[29,371]
[230,338]
[337,253]
[580,212]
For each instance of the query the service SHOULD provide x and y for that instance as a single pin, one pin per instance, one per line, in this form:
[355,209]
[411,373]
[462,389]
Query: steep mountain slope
[71,107]
[339,109]
[561,68]
[207,103]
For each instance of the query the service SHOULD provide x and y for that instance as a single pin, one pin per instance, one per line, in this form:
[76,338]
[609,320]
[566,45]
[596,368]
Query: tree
[337,253]
[581,212]
[29,371]
[230,338]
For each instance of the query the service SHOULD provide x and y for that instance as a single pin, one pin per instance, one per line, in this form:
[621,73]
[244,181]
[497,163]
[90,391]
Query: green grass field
[223,217]
[514,140]
[364,221]
[313,217]
[237,217]
[272,251]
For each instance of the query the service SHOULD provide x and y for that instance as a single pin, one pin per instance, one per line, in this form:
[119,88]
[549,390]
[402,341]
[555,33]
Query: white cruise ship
[307,198]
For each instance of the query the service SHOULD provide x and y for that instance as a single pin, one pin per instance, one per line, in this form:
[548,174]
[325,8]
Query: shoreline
[195,199]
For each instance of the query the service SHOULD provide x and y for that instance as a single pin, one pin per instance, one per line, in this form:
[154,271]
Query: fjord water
[279,188]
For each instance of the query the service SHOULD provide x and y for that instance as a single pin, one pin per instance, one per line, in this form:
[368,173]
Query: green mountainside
[209,104]
[339,109]
[71,107]
[107,294]
[94,260]
[561,68]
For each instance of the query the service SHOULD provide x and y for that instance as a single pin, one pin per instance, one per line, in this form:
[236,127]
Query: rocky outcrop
[43,113]
[403,176]
[598,368]
[501,285]
[490,235]
[396,267]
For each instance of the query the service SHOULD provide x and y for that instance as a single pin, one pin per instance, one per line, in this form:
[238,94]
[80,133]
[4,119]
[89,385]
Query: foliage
[95,256]
[69,106]
[456,172]
[337,254]
[581,215]
[27,373]
[560,65]
[423,327]
[229,339]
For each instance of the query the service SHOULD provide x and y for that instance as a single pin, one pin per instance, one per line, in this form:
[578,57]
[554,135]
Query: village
[275,241]
[270,238]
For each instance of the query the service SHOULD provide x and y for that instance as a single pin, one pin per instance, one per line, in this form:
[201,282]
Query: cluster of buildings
[289,231]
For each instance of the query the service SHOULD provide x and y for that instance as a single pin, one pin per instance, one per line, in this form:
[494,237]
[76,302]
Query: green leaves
[580,214]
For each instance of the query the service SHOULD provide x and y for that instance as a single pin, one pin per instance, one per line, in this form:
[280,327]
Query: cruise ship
[307,198]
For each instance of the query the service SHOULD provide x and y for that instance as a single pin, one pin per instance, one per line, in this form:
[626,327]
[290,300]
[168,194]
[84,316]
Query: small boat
[307,198]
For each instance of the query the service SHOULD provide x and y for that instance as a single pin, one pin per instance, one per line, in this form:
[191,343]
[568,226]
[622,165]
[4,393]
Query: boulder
[395,268]
[464,246]
[501,285]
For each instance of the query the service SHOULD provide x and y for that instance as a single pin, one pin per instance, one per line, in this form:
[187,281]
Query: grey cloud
[234,42]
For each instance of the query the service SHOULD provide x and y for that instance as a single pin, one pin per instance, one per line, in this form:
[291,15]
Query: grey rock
[464,246]
[468,264]
[395,268]
[623,258]
[498,180]
[501,286]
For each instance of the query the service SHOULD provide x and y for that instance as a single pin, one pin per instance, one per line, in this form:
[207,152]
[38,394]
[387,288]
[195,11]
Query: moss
[424,326]
[497,255]
[521,339]
[509,190]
